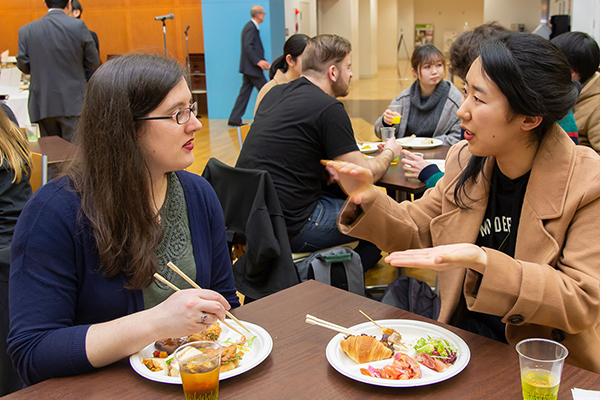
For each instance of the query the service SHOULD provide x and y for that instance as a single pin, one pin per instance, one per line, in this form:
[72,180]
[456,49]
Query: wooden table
[298,369]
[395,182]
[56,148]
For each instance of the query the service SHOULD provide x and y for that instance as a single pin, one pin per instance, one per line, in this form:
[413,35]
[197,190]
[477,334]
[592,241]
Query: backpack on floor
[340,267]
[412,295]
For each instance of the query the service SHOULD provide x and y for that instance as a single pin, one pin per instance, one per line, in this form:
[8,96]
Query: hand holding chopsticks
[194,284]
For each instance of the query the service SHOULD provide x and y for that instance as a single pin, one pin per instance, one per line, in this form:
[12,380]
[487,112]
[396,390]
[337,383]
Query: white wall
[507,12]
[367,25]
[406,28]
[449,16]
[290,17]
[341,18]
[387,28]
[586,17]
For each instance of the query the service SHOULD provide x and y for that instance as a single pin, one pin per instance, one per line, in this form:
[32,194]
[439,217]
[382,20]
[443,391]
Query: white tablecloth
[17,101]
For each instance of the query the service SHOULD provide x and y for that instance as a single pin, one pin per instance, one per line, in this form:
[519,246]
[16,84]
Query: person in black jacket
[15,190]
[252,64]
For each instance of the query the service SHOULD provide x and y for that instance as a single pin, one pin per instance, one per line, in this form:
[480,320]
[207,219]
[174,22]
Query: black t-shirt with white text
[498,231]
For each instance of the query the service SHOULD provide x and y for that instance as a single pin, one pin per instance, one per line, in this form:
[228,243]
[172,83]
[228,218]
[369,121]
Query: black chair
[253,217]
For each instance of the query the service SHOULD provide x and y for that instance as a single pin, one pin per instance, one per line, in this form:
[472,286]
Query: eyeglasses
[181,116]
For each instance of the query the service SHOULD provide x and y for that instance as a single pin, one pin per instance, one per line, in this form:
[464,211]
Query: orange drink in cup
[199,364]
[397,108]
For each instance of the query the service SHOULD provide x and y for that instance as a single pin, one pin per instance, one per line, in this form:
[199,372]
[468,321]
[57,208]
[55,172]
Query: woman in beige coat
[511,226]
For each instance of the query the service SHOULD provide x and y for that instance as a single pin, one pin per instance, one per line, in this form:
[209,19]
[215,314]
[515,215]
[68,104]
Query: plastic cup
[397,108]
[541,362]
[389,133]
[33,132]
[199,364]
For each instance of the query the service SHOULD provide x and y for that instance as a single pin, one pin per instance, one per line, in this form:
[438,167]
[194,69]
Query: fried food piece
[152,365]
[211,333]
[363,349]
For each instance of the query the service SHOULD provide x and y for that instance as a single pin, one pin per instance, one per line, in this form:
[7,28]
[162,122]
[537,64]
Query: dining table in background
[297,367]
[56,148]
[397,185]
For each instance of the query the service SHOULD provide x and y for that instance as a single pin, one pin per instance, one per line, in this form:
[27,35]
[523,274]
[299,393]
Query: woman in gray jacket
[429,105]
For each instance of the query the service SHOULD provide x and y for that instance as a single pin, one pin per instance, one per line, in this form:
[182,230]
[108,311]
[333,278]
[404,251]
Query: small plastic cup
[389,133]
[199,364]
[397,108]
[541,362]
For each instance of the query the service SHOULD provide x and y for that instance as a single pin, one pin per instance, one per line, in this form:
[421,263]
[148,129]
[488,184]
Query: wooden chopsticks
[194,284]
[161,278]
[310,319]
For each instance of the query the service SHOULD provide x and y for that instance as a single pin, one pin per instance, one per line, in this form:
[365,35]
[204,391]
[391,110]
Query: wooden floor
[367,100]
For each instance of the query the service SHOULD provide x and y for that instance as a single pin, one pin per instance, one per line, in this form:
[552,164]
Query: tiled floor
[367,100]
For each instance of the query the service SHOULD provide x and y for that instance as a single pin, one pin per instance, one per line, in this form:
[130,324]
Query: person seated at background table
[286,67]
[583,54]
[463,51]
[15,190]
[508,226]
[429,105]
[87,244]
[299,123]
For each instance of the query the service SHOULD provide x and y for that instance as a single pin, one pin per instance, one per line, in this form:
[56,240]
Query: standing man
[252,64]
[56,50]
[76,12]
[295,127]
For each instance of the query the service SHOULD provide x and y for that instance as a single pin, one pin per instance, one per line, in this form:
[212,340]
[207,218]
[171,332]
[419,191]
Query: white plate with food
[368,147]
[426,337]
[256,348]
[419,142]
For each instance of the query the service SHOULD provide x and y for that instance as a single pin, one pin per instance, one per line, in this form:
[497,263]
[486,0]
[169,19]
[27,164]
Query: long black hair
[535,77]
[294,46]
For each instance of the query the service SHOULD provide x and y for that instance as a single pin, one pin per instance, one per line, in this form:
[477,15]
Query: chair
[39,171]
[242,132]
[253,217]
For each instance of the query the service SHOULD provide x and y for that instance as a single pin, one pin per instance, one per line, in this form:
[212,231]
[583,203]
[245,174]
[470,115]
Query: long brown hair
[111,175]
[14,148]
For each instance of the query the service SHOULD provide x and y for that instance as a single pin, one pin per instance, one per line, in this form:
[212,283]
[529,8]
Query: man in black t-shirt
[297,125]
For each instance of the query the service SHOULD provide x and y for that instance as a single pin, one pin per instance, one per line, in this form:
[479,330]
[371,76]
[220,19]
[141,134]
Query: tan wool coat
[551,288]
[587,113]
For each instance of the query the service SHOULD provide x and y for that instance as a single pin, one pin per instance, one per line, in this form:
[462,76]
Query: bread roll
[363,349]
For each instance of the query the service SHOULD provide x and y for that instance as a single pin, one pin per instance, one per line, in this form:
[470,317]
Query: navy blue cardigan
[56,290]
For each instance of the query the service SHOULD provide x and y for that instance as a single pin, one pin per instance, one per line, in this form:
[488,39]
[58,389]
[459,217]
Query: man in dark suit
[76,12]
[252,64]
[56,50]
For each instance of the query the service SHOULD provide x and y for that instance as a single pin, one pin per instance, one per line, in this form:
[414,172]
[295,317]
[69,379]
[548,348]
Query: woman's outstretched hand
[441,258]
[356,181]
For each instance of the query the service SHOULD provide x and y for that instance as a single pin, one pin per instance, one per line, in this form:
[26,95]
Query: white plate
[411,331]
[368,147]
[261,348]
[419,143]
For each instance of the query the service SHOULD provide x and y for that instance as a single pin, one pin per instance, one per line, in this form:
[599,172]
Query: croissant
[363,349]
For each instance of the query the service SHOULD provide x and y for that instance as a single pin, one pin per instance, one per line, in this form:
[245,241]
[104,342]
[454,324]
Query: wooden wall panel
[121,25]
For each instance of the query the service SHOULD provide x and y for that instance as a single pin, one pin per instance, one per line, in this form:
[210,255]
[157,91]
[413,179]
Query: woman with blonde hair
[15,190]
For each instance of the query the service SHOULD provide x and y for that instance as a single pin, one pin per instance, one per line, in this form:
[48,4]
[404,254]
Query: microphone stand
[188,67]
[165,35]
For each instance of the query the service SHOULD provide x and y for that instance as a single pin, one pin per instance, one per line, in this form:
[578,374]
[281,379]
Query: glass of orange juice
[396,108]
[541,362]
[199,364]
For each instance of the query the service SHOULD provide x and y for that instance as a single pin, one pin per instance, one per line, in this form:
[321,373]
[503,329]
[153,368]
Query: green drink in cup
[541,362]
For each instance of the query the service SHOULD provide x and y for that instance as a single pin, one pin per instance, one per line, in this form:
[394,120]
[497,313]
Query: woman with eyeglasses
[82,293]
